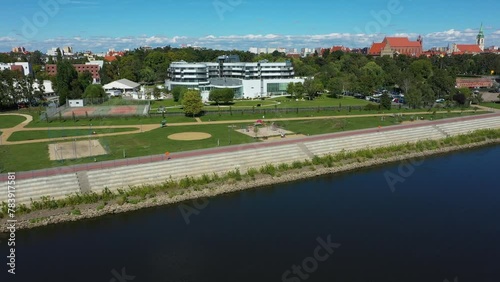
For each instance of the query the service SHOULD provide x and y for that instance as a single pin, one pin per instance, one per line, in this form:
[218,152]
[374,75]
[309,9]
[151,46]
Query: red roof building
[391,46]
[339,48]
[110,58]
[460,49]
[474,82]
[80,68]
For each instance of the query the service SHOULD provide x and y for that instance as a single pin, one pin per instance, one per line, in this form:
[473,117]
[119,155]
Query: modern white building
[249,80]
[123,85]
[25,66]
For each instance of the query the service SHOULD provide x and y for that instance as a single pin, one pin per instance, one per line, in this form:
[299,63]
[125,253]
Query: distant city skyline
[238,24]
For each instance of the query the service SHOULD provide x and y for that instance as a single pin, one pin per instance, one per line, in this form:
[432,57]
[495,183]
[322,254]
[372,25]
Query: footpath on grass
[149,127]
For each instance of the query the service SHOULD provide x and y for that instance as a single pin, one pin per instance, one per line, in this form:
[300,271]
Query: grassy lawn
[322,102]
[314,127]
[292,113]
[491,105]
[110,121]
[10,121]
[35,156]
[44,134]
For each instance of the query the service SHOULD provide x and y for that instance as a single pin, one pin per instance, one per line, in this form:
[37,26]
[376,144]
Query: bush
[235,174]
[252,172]
[268,169]
[371,107]
[76,212]
[297,165]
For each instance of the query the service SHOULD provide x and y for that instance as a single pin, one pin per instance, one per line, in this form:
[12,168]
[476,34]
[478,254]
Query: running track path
[220,150]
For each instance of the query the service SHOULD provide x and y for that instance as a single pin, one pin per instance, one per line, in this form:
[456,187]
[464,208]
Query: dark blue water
[442,222]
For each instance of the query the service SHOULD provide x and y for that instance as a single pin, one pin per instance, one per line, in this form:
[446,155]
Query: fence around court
[264,111]
[102,105]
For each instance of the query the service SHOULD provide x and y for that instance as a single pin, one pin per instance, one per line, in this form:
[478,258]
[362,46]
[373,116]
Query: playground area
[262,130]
[75,150]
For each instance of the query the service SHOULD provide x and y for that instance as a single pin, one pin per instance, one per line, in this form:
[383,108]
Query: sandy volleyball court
[75,150]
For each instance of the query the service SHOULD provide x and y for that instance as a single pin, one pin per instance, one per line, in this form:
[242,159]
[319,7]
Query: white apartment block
[249,80]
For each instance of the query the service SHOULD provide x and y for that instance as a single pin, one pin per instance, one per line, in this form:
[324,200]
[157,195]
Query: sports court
[127,110]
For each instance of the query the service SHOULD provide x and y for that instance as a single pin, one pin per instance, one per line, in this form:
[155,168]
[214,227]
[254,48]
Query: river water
[437,220]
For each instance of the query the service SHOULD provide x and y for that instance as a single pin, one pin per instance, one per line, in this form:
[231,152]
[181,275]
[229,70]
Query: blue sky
[227,24]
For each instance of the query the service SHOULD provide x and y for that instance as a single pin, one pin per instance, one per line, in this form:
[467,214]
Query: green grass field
[281,103]
[58,133]
[10,121]
[332,125]
[138,120]
[491,105]
[34,156]
[294,113]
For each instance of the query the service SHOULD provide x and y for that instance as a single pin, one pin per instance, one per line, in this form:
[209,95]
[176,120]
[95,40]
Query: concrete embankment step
[36,188]
[154,174]
[158,172]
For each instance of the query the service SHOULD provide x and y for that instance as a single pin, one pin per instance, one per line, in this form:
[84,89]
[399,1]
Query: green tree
[428,95]
[372,77]
[59,55]
[386,101]
[421,69]
[156,93]
[414,97]
[290,88]
[192,103]
[336,85]
[64,85]
[224,95]
[148,75]
[178,92]
[299,90]
[94,91]
[109,72]
[312,87]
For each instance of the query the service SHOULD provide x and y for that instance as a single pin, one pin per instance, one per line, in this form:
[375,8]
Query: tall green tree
[94,91]
[192,103]
[386,101]
[221,95]
[312,87]
[64,86]
[178,92]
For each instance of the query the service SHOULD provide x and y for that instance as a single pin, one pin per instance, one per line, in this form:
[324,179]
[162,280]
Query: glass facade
[276,88]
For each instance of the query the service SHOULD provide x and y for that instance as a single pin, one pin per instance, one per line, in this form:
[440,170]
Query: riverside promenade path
[59,182]
[220,150]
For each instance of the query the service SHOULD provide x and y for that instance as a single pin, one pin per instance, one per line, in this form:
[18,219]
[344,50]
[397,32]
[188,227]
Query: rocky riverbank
[43,218]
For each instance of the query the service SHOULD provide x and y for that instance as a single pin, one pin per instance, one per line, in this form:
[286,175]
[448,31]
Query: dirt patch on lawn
[75,150]
[189,136]
[415,121]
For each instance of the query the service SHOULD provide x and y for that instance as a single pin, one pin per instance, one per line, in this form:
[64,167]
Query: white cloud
[243,42]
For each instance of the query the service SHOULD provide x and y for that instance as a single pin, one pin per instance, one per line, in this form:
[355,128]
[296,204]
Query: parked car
[359,96]
[440,100]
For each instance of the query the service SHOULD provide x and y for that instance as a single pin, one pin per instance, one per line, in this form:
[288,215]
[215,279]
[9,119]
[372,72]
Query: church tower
[480,38]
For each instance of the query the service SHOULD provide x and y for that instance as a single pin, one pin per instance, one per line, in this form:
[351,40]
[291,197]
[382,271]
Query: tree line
[422,79]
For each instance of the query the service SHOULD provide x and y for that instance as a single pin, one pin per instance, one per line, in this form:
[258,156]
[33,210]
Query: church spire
[480,38]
